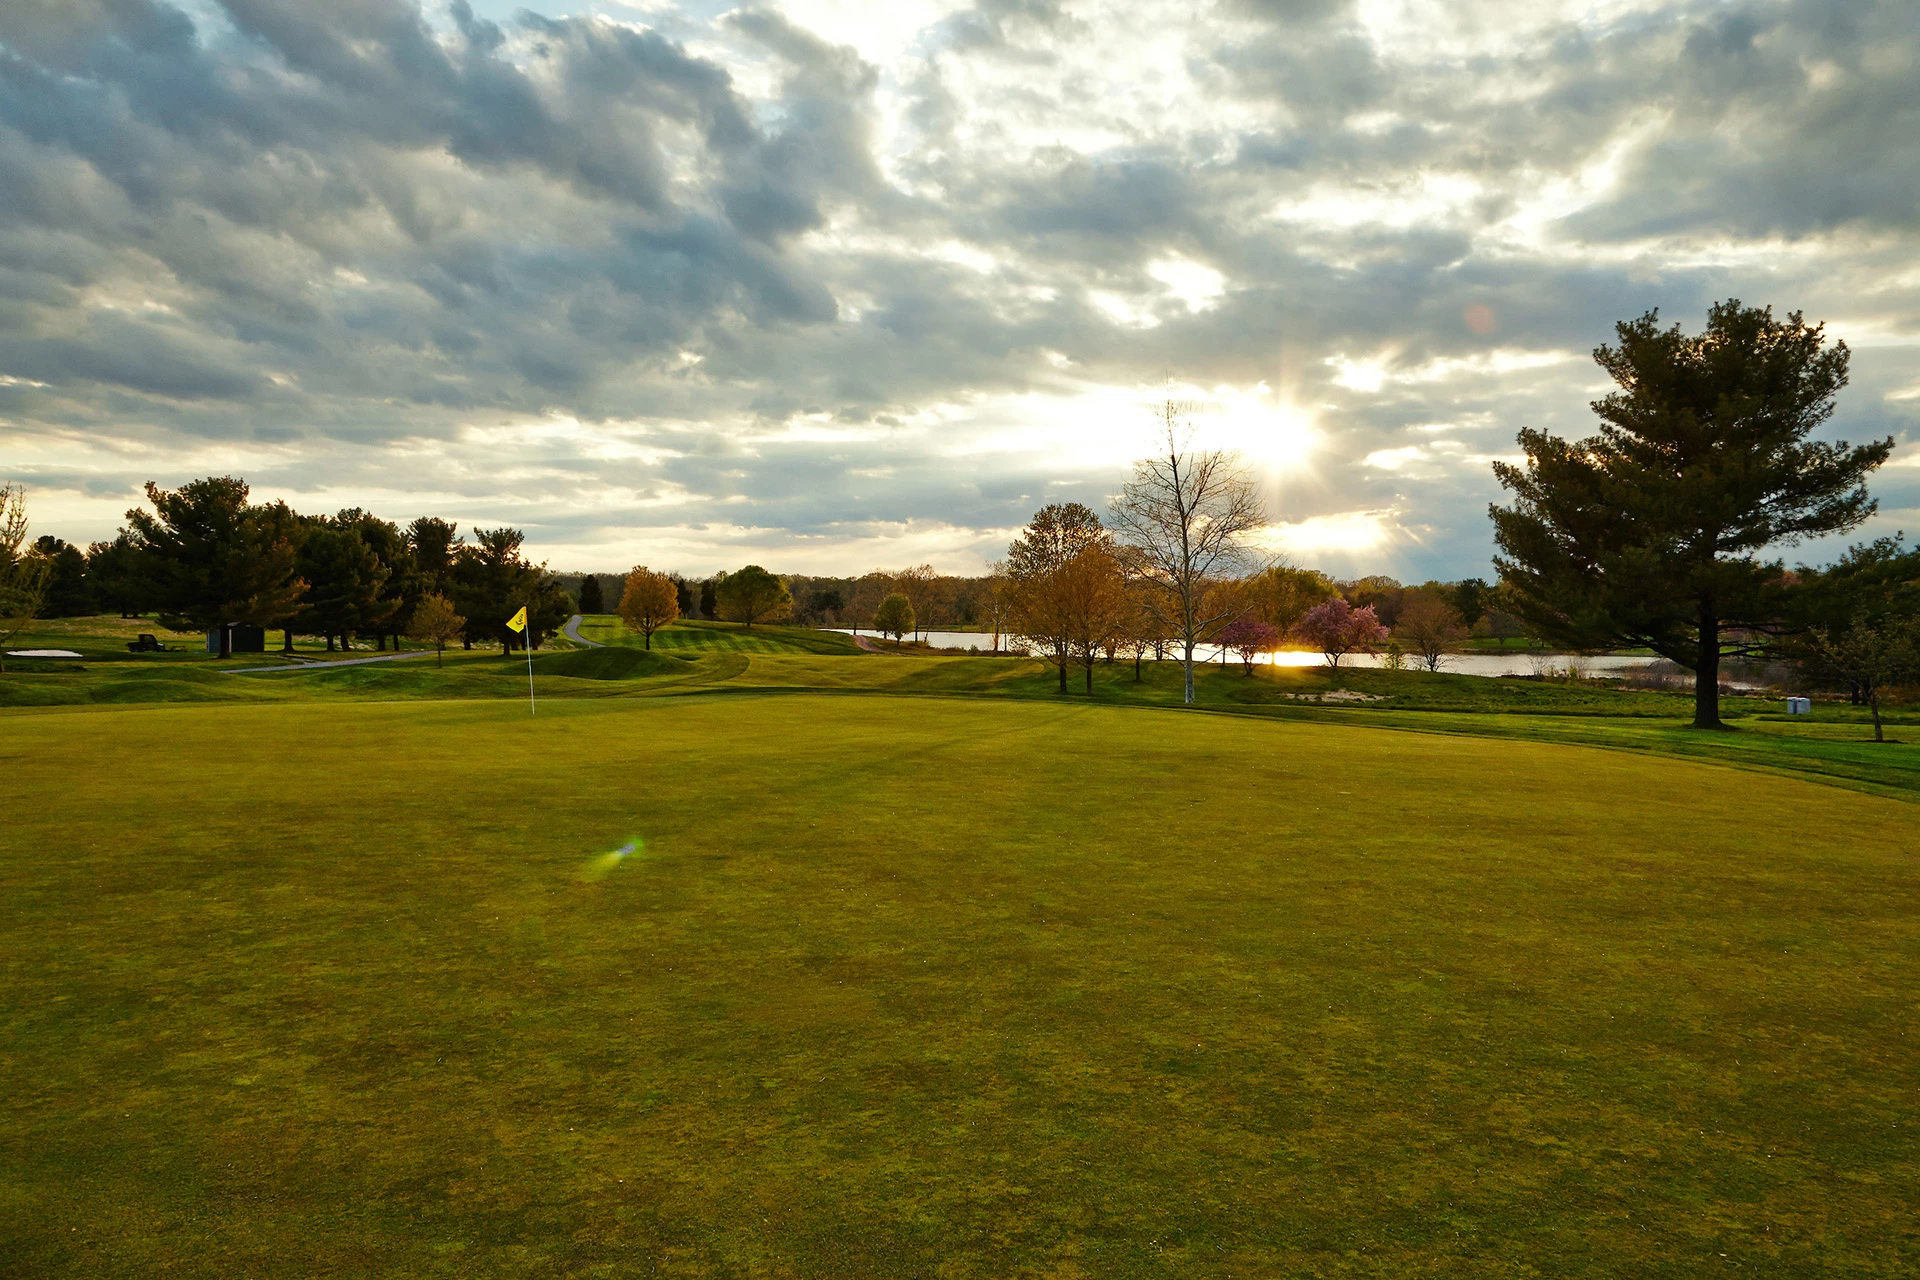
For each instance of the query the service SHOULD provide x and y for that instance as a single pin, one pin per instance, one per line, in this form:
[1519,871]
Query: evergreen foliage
[1651,533]
[214,560]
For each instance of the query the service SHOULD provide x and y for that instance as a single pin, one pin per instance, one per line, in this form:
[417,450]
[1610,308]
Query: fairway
[901,986]
[688,637]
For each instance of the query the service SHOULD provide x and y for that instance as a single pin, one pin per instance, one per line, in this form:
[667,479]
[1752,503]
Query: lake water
[1470,664]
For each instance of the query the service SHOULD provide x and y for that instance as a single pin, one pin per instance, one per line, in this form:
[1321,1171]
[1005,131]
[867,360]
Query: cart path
[572,632]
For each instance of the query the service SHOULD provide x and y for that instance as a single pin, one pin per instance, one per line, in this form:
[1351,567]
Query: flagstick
[526,638]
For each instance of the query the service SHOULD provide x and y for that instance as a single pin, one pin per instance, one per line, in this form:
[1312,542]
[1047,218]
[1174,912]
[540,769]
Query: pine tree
[1650,533]
[213,560]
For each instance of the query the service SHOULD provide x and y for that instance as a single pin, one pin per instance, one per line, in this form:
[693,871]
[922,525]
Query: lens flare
[598,868]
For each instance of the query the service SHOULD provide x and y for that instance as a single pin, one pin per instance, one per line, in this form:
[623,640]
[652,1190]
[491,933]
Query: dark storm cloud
[377,243]
[228,177]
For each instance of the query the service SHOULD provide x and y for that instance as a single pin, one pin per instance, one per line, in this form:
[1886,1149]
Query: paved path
[326,666]
[572,632]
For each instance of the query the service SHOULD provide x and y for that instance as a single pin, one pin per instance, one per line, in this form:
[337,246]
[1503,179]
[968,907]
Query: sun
[1269,430]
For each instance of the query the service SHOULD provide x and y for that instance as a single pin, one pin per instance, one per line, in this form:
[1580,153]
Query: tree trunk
[1706,674]
[1187,694]
[1138,654]
[329,642]
[288,647]
[1061,664]
[1873,705]
[1089,674]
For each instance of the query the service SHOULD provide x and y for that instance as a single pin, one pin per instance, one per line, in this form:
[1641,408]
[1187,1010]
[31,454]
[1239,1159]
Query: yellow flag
[519,620]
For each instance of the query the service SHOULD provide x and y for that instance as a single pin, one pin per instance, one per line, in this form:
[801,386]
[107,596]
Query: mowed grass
[708,657]
[901,986]
[690,637]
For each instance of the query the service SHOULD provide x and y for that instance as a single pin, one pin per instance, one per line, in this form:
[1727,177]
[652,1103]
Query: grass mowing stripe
[905,985]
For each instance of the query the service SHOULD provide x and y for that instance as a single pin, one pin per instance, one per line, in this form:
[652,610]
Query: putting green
[914,987]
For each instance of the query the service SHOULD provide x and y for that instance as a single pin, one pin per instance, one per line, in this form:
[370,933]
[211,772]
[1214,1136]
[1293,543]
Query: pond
[1478,663]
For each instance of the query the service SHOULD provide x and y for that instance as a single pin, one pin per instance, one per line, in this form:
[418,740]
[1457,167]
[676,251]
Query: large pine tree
[1651,532]
[212,560]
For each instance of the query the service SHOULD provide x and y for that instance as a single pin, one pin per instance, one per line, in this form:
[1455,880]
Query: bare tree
[1188,515]
[996,601]
[920,585]
[1145,627]
[866,594]
[1429,627]
[1869,657]
[24,573]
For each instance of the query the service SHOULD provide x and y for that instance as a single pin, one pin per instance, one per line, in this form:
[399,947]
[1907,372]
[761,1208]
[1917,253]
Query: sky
[831,286]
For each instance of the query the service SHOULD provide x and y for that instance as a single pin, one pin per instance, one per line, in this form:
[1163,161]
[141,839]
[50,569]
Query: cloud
[852,286]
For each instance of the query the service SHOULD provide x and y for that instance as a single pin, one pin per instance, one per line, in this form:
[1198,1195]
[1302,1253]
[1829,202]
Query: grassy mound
[610,664]
[893,986]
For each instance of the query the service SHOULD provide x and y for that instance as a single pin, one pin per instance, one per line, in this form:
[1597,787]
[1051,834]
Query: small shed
[241,639]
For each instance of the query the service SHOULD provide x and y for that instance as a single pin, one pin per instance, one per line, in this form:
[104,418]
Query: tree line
[1176,565]
[938,600]
[1653,533]
[1265,611]
[205,557]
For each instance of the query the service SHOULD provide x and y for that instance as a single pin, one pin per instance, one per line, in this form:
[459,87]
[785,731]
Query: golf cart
[146,644]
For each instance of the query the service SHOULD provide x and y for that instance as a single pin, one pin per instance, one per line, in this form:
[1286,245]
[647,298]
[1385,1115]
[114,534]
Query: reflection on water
[1468,664]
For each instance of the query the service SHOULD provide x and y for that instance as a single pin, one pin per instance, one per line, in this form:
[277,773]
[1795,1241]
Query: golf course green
[897,985]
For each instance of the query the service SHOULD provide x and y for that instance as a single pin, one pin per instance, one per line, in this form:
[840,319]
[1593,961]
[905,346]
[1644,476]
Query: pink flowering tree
[1337,629]
[1247,636]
